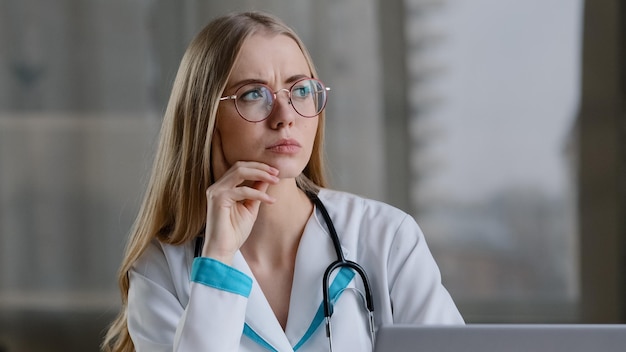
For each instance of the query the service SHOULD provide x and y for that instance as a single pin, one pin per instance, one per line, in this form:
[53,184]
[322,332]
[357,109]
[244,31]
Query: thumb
[253,205]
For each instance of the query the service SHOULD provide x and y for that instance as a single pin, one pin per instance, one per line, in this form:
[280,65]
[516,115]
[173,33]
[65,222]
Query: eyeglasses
[255,101]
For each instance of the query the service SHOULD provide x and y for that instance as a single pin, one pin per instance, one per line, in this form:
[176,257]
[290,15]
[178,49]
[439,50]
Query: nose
[287,94]
[283,113]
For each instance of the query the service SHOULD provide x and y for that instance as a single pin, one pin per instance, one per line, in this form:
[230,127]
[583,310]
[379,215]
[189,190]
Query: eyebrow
[243,82]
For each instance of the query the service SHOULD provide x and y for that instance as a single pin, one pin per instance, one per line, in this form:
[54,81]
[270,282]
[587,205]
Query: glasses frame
[275,98]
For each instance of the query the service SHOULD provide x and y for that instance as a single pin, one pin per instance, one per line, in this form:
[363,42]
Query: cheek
[231,148]
[311,131]
[238,139]
[226,128]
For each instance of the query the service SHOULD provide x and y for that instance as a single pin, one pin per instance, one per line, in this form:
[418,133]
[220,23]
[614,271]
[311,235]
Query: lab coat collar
[315,253]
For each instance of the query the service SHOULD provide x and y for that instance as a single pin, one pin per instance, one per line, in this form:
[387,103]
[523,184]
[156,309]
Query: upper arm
[154,310]
[416,290]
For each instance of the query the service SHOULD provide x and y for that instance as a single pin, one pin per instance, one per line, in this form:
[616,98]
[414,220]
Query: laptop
[502,338]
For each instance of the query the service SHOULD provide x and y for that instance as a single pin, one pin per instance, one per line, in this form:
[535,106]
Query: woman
[237,173]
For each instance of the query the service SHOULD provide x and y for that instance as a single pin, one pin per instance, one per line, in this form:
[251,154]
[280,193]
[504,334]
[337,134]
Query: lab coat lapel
[315,253]
[259,315]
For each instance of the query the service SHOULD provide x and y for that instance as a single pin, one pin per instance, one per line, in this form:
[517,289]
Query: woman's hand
[233,203]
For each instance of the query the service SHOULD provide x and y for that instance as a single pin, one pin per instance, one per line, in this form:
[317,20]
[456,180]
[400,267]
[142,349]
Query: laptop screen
[502,338]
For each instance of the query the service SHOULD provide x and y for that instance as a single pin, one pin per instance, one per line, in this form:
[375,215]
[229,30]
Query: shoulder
[351,204]
[365,215]
[373,231]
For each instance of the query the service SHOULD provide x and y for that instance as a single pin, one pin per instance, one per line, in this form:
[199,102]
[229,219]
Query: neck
[277,231]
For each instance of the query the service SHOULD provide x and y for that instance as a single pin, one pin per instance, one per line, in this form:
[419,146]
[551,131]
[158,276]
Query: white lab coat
[222,308]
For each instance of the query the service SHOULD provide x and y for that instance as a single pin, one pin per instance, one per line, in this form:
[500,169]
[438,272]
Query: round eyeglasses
[255,101]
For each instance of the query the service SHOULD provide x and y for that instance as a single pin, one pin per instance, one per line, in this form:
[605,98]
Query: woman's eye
[301,91]
[253,94]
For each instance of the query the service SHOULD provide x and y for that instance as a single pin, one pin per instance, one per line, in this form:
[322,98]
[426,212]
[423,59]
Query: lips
[285,146]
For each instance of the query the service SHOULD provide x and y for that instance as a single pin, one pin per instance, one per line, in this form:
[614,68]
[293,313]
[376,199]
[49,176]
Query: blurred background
[499,124]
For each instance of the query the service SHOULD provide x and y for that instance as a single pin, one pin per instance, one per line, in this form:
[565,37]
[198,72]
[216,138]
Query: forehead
[269,57]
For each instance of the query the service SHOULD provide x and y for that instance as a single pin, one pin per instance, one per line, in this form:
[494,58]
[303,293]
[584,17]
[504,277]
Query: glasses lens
[254,102]
[308,97]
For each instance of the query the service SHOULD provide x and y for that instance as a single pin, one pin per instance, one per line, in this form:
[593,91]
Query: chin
[288,167]
[286,172]
[288,175]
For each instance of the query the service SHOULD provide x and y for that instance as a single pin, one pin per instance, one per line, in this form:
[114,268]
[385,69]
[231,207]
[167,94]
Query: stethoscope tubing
[341,262]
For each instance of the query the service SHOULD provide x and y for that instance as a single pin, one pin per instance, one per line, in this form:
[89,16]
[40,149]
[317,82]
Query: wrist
[225,257]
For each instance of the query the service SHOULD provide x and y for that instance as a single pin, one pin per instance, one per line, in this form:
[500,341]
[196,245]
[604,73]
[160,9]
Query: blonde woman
[231,246]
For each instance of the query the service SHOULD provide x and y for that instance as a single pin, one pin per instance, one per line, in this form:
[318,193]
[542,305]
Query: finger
[243,172]
[261,189]
[245,194]
[253,205]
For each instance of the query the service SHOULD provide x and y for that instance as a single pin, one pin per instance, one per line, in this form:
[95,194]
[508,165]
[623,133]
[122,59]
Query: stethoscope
[341,262]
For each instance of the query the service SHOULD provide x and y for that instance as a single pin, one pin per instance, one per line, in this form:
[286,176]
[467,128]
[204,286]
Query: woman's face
[285,139]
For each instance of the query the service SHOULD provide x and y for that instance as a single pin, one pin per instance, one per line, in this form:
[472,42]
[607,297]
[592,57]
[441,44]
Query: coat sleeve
[212,320]
[416,291]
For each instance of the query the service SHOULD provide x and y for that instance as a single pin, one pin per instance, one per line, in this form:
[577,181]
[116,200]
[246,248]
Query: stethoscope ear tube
[328,307]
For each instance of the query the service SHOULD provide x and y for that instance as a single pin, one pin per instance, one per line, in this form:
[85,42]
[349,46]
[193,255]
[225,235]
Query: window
[493,96]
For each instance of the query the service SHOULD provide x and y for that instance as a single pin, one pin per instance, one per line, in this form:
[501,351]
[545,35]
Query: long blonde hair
[174,206]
